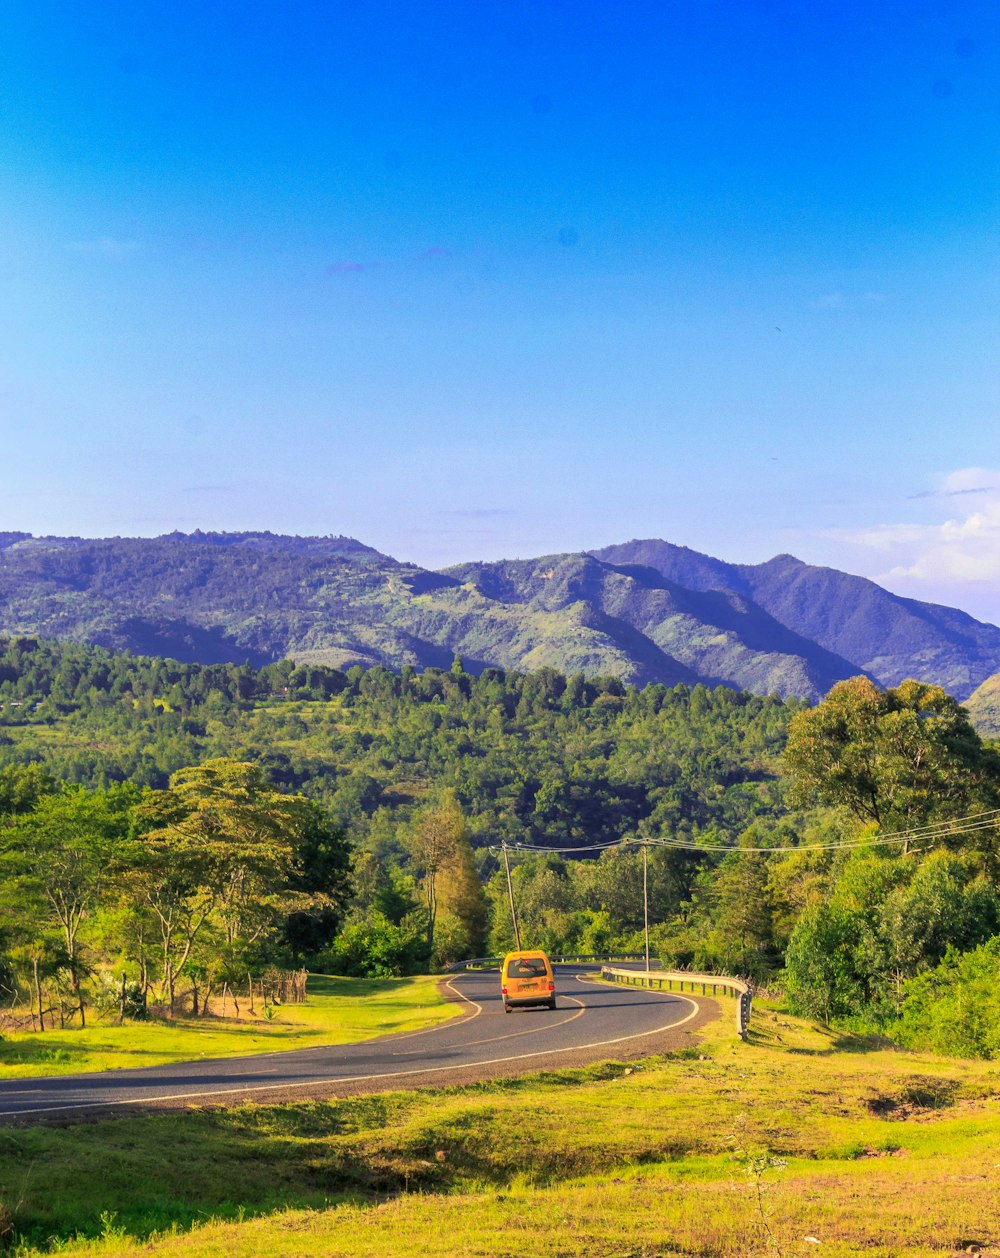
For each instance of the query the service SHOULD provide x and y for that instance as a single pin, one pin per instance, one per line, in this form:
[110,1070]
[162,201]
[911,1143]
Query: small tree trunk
[121,1001]
[194,997]
[77,987]
[38,995]
[225,993]
[250,990]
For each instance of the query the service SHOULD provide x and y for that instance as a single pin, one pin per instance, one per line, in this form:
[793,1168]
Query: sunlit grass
[727,1149]
[337,1011]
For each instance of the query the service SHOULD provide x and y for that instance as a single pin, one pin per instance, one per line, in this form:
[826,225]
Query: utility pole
[510,894]
[645,899]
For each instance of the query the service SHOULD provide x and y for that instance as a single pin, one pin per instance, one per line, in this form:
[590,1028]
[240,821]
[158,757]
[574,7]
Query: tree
[901,757]
[837,963]
[955,1008]
[820,965]
[440,847]
[216,851]
[248,834]
[948,903]
[548,905]
[742,938]
[57,859]
[321,874]
[21,787]
[462,913]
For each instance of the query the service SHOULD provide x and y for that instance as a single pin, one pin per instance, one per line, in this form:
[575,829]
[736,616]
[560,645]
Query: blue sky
[485,279]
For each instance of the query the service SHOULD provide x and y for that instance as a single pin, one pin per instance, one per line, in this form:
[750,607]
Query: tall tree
[901,757]
[440,847]
[462,910]
[217,850]
[743,934]
[57,859]
[248,833]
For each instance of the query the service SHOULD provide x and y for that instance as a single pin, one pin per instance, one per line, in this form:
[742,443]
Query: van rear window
[526,967]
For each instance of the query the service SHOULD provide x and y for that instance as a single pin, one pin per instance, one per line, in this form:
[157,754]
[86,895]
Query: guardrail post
[743,1015]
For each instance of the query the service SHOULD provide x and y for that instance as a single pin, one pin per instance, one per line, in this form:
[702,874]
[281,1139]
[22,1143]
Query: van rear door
[528,978]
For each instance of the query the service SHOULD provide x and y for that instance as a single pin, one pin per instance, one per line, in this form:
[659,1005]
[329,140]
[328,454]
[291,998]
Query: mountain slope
[882,634]
[644,611]
[718,637]
[984,707]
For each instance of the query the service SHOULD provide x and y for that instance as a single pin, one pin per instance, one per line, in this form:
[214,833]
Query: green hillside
[533,757]
[888,637]
[984,707]
[644,612]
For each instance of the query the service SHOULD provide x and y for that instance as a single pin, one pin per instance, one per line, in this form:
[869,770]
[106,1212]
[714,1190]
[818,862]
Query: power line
[583,847]
[971,824]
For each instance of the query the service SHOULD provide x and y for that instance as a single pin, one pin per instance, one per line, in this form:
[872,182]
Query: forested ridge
[644,611]
[208,821]
[532,757]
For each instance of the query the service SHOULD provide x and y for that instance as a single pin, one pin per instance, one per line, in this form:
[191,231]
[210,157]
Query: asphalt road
[593,1021]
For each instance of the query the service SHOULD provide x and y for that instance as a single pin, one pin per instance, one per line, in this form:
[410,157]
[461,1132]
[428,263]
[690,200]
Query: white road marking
[438,1026]
[545,1026]
[351,1079]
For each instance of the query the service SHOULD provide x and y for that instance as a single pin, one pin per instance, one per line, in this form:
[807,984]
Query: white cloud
[954,560]
[885,536]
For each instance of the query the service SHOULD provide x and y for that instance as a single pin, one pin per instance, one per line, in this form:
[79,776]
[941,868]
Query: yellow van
[526,978]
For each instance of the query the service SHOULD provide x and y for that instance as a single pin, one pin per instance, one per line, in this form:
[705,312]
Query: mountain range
[644,610]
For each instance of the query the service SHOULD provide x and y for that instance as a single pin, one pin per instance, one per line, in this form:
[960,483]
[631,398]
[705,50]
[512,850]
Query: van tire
[506,1008]
[552,1003]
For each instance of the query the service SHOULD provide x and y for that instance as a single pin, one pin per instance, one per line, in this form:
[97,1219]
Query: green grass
[868,1150]
[337,1011]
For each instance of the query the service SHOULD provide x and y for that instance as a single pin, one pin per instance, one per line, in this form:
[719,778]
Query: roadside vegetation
[337,1011]
[172,834]
[173,838]
[721,1149]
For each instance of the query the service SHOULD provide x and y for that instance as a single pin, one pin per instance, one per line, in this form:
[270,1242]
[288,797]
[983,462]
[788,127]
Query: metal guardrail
[667,978]
[575,958]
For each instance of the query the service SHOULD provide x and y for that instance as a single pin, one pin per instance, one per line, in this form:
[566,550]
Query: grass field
[798,1142]
[337,1011]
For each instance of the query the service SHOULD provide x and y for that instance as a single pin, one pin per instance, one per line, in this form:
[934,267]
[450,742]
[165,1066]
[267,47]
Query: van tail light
[503,991]
[552,987]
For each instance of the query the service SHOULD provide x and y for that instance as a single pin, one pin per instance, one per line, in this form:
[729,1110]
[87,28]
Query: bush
[377,948]
[955,1008]
[107,999]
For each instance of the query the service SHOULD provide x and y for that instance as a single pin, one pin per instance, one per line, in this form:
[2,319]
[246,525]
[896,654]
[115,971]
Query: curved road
[593,1021]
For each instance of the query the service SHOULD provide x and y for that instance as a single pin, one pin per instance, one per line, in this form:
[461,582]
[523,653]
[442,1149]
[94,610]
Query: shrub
[107,999]
[955,1008]
[378,948]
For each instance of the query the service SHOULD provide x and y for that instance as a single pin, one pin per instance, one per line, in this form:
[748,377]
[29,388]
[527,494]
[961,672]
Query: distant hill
[889,637]
[646,611]
[984,707]
[669,632]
